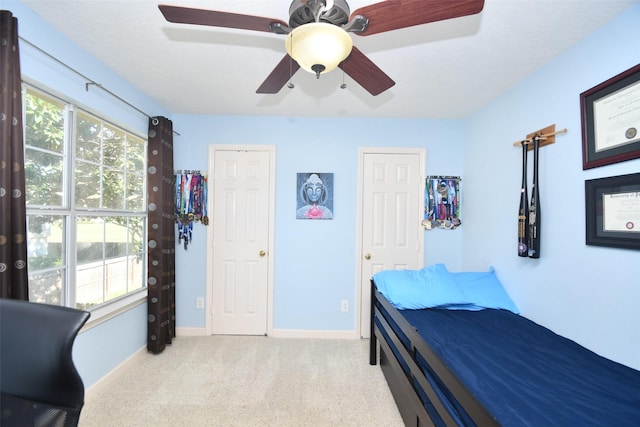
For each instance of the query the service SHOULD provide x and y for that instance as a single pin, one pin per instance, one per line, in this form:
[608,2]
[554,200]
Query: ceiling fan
[317,33]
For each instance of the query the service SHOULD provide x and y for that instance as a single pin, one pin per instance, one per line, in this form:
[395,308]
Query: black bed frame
[402,385]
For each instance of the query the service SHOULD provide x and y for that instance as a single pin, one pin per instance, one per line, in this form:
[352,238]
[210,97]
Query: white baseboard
[295,333]
[191,332]
[107,379]
[279,333]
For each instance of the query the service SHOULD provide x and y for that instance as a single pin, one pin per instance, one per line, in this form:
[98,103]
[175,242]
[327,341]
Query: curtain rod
[90,82]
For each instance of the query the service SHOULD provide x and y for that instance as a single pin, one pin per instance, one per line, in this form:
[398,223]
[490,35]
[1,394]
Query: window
[86,218]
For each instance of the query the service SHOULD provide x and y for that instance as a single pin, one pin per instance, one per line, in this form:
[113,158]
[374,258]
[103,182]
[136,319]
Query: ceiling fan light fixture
[318,47]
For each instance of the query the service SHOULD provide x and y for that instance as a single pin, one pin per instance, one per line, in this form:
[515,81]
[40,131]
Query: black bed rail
[478,413]
[416,373]
[409,403]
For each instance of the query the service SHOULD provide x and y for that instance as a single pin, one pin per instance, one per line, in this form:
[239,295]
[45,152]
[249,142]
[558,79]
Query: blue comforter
[525,374]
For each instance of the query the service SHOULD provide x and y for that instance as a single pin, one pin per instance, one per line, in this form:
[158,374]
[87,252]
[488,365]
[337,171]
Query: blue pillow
[429,287]
[484,290]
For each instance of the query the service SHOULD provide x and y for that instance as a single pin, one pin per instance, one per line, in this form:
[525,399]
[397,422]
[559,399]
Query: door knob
[367,256]
[262,253]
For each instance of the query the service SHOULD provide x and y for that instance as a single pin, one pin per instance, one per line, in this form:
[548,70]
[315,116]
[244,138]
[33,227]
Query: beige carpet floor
[247,381]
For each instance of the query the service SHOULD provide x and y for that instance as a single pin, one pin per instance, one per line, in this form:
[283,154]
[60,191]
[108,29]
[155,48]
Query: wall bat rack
[547,136]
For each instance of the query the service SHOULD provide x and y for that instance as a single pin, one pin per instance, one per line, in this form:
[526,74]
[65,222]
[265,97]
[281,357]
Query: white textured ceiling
[446,69]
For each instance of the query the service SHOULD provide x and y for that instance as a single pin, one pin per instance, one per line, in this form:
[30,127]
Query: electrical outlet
[200,302]
[344,305]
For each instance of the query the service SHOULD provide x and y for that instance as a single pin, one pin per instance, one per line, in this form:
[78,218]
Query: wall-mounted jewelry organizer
[442,202]
[190,202]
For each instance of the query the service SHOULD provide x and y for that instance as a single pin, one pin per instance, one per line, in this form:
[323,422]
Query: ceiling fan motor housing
[304,12]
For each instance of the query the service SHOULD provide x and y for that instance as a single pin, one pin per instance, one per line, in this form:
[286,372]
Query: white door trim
[210,230]
[420,186]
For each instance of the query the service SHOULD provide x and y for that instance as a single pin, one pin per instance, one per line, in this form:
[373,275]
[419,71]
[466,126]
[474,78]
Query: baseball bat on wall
[534,206]
[523,211]
[529,212]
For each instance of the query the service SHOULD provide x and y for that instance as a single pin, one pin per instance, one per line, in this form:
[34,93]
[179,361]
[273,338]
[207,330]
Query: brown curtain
[161,241]
[13,219]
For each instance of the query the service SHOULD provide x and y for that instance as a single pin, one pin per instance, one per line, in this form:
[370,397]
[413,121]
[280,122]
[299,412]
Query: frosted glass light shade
[318,43]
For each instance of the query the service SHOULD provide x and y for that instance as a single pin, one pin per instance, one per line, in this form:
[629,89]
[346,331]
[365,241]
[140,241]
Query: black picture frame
[613,211]
[611,120]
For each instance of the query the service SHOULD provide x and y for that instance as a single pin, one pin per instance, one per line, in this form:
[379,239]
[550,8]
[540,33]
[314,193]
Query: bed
[455,352]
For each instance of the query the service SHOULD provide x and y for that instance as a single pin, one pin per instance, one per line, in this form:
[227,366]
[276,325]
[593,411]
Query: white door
[391,210]
[240,243]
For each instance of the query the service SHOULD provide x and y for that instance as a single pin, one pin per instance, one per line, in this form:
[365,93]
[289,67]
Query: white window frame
[113,307]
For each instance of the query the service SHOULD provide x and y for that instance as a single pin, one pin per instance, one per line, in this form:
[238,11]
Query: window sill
[114,308]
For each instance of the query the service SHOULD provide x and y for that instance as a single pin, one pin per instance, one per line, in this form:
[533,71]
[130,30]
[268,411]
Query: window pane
[136,155]
[43,178]
[45,237]
[88,137]
[116,281]
[113,140]
[90,258]
[137,258]
[44,122]
[46,287]
[136,228]
[89,280]
[137,274]
[135,186]
[116,237]
[113,189]
[89,238]
[87,185]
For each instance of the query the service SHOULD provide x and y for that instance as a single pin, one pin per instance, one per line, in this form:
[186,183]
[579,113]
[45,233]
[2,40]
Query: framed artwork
[611,120]
[442,202]
[613,211]
[314,195]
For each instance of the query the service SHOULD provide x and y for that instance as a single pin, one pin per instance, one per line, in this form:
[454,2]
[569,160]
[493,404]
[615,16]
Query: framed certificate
[613,211]
[611,120]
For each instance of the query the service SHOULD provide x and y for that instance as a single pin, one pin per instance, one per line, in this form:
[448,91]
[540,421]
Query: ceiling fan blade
[212,18]
[366,73]
[395,14]
[279,76]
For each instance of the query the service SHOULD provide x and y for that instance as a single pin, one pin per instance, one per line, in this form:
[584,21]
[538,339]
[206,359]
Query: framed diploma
[611,120]
[613,211]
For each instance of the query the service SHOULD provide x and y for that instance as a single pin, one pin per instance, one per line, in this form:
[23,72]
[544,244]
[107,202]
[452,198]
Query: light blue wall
[315,261]
[587,293]
[100,349]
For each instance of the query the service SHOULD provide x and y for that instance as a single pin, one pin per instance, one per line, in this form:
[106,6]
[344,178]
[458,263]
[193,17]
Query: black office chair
[39,383]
